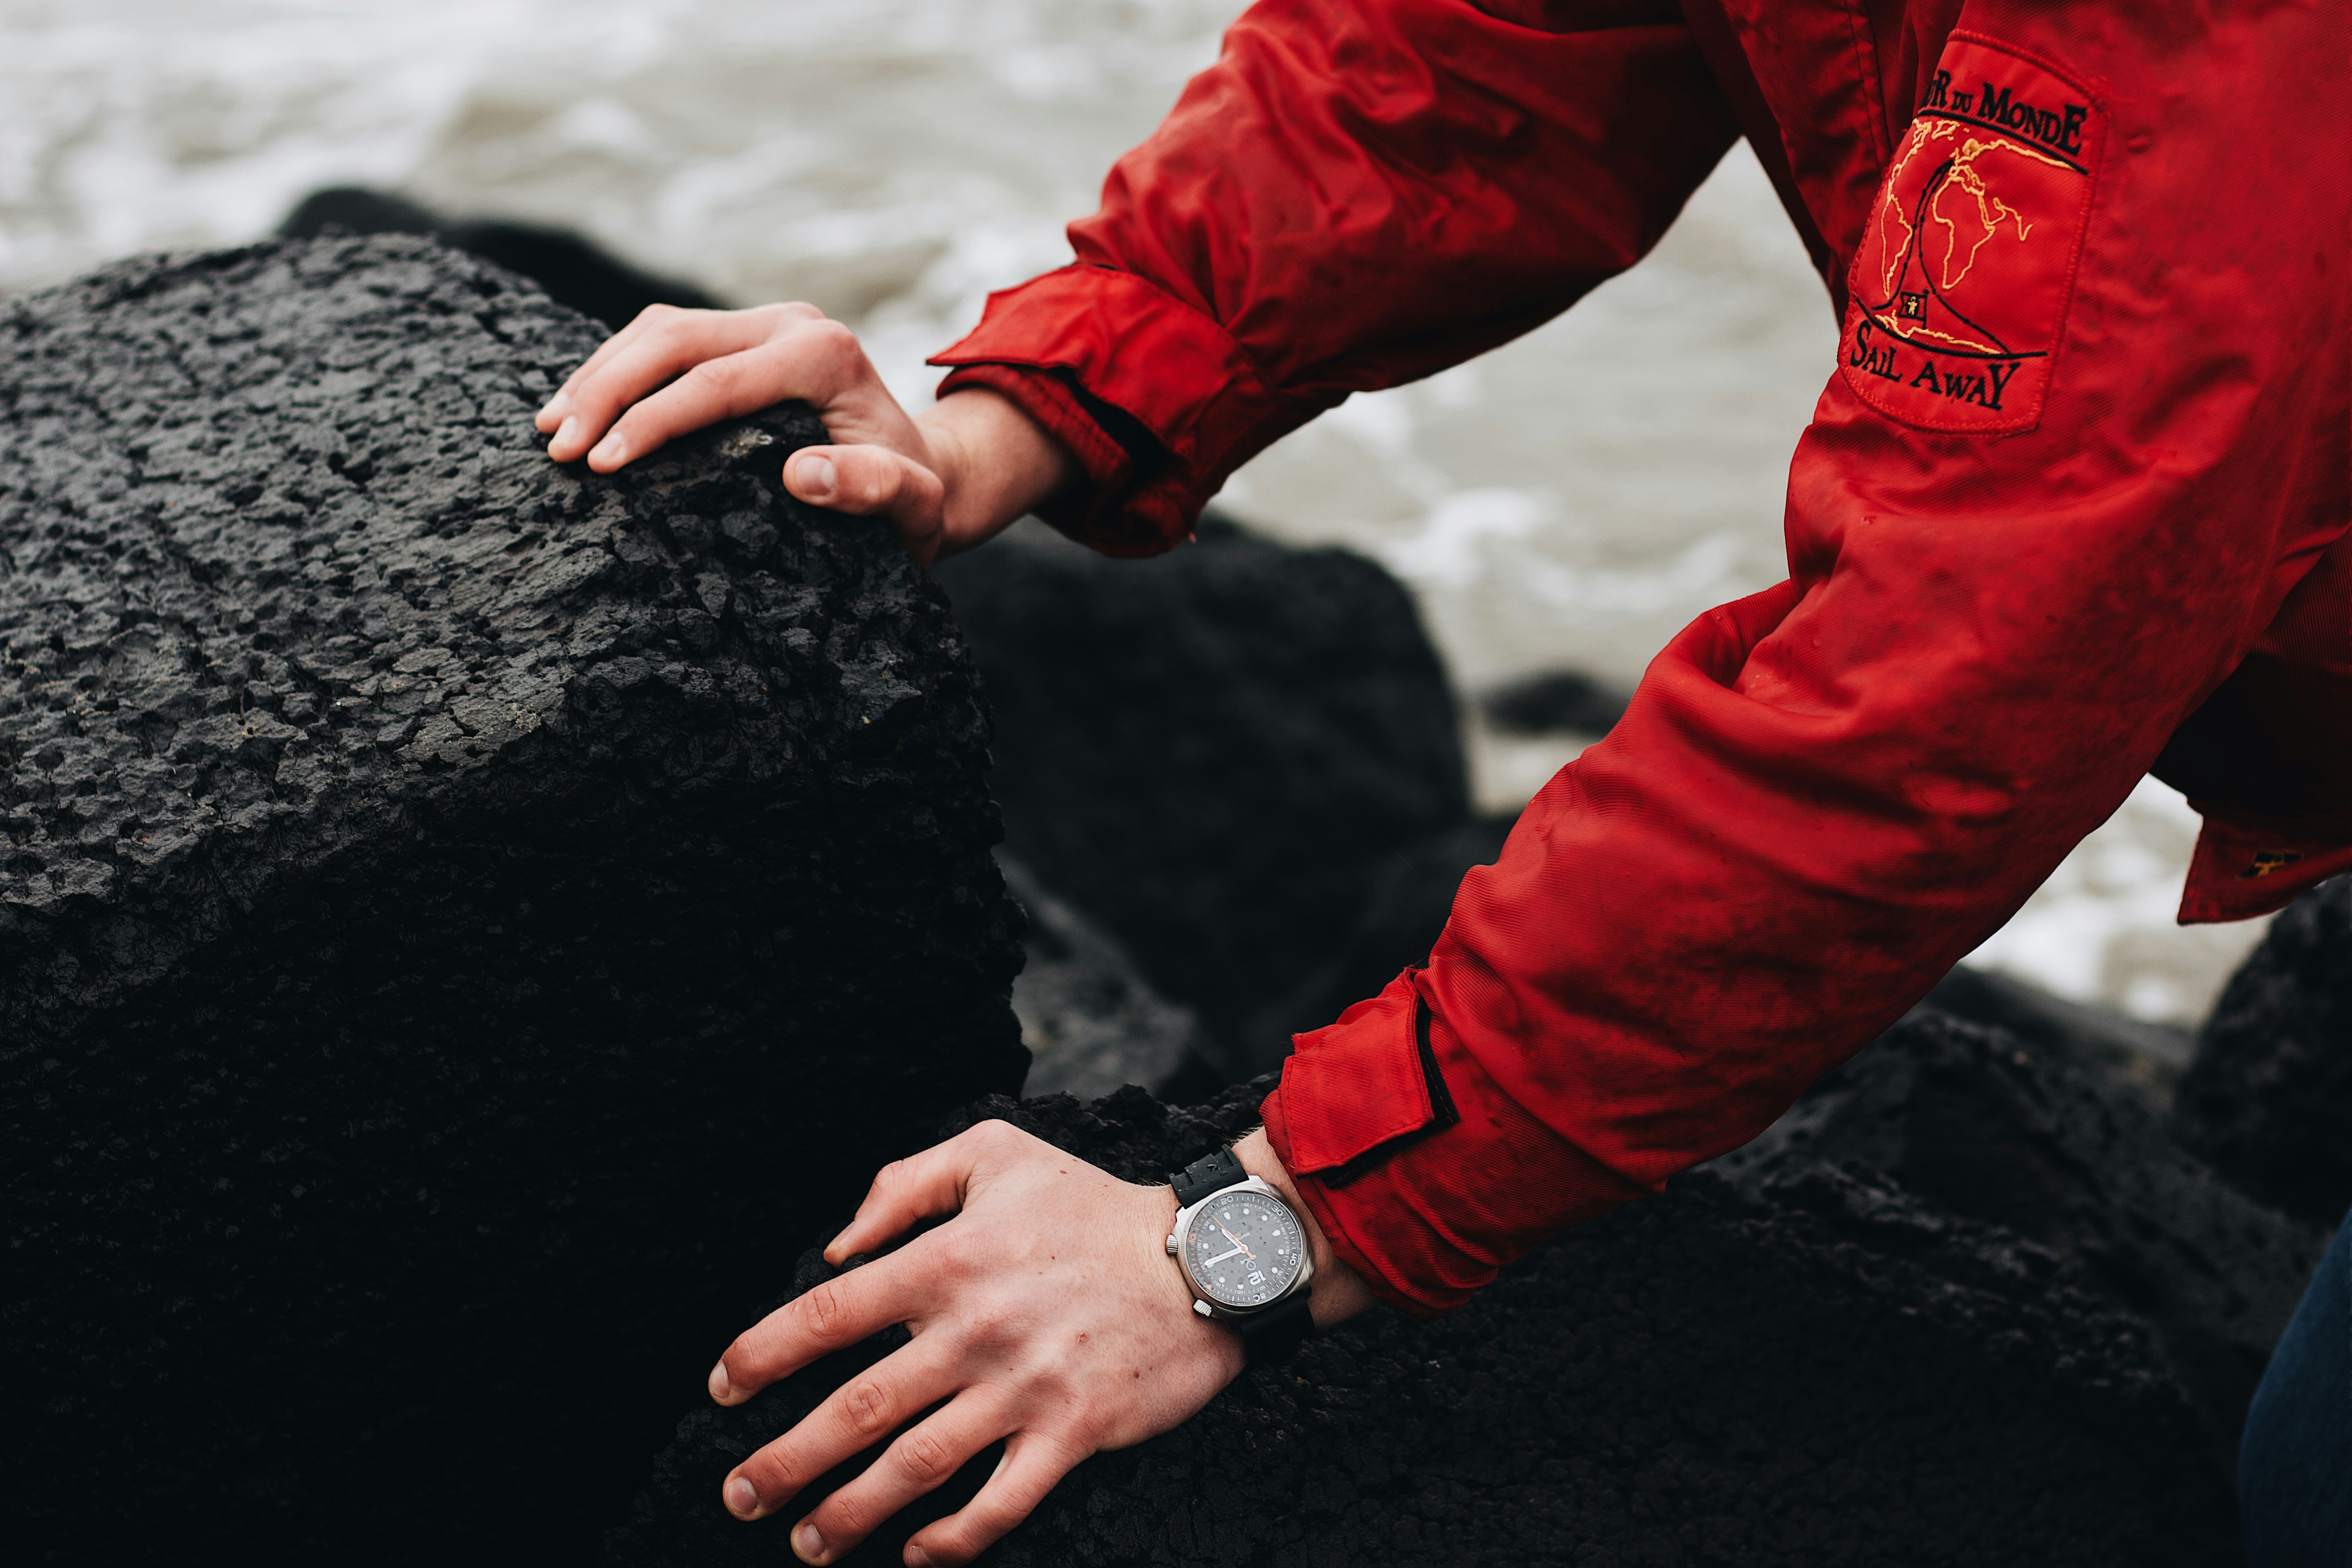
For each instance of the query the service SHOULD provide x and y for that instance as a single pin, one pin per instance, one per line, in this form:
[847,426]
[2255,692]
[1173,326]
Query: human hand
[950,480]
[1047,1313]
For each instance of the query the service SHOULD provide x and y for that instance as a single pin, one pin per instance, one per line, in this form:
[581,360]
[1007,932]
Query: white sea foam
[1573,499]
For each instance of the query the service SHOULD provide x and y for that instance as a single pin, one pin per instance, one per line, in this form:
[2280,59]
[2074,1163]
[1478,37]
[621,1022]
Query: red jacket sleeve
[1999,610]
[1357,194]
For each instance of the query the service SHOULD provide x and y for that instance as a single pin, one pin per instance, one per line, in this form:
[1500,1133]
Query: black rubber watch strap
[1275,1334]
[1210,1173]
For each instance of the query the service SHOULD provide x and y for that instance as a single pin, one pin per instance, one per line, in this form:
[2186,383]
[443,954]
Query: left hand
[1047,1314]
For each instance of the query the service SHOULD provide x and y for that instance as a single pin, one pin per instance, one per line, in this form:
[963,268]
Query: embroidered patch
[1958,293]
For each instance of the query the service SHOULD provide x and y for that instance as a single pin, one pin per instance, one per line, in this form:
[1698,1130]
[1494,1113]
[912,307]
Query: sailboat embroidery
[1930,250]
[1959,288]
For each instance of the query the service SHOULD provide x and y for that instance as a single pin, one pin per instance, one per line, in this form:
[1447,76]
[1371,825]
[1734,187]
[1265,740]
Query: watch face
[1244,1248]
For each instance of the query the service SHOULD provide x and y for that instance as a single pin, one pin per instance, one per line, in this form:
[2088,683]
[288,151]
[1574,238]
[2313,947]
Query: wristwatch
[1244,1254]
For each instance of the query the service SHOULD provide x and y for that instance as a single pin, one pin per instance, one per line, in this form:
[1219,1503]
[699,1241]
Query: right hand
[1045,1311]
[946,481]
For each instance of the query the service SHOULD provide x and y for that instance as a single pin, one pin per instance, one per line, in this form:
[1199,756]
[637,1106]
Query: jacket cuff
[2246,866]
[1425,1177]
[1142,352]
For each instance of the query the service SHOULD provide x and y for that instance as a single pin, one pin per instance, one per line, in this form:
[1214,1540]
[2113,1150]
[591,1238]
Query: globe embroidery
[1929,250]
[1965,263]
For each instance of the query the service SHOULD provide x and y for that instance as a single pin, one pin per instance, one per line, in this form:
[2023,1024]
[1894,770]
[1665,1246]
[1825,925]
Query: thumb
[873,482]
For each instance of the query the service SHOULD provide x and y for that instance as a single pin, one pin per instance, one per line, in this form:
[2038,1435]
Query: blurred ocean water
[1572,499]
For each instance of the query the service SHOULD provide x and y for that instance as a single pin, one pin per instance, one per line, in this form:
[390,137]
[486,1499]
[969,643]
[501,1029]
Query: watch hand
[1237,1242]
[1237,1252]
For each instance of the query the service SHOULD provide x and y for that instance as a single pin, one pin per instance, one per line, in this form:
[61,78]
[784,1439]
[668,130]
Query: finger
[652,320]
[839,1312]
[852,1418]
[860,480]
[715,389]
[922,1186]
[873,482]
[550,413]
[922,1457]
[1033,1463]
[649,319]
[668,346]
[662,348]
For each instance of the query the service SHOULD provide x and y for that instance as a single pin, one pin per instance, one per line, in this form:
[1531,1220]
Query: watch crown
[1172,1243]
[1202,1307]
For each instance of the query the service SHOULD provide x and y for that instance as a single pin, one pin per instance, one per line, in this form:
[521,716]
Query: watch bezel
[1182,1233]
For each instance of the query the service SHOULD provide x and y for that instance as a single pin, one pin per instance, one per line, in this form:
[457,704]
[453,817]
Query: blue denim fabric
[2294,1463]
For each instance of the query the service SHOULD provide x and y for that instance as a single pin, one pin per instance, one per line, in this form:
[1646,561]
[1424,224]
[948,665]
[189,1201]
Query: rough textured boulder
[572,270]
[2147,1059]
[1407,899]
[1984,1125]
[1827,1371]
[1555,701]
[2268,1098]
[1211,753]
[1092,1023]
[454,911]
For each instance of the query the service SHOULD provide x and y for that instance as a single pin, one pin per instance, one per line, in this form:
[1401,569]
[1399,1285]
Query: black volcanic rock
[1211,753]
[1825,1372]
[1407,899]
[1555,701]
[573,271]
[2268,1097]
[2147,1059]
[454,912]
[1982,1125]
[1092,1023]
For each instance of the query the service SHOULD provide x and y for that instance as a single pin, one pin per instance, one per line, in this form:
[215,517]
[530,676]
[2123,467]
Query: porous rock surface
[1825,1372]
[575,272]
[2268,1096]
[454,911]
[2144,1057]
[1212,751]
[1092,1023]
[2033,1139]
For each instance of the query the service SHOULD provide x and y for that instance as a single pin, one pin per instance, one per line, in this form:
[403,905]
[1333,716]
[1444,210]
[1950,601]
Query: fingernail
[816,474]
[807,1543]
[558,404]
[611,449]
[743,1498]
[721,1388]
[917,1557]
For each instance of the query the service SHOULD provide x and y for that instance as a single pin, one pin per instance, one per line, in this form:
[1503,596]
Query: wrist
[994,462]
[1340,1291]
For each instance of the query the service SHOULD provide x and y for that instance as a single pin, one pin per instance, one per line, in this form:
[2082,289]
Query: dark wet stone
[1407,901]
[2268,1098]
[1556,702]
[2145,1058]
[462,920]
[1211,753]
[1826,1371]
[1091,1021]
[574,271]
[2036,1140]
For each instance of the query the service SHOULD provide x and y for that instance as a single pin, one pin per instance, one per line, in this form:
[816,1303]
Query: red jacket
[2072,506]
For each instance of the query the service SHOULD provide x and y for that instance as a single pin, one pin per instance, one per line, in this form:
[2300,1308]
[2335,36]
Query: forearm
[1352,196]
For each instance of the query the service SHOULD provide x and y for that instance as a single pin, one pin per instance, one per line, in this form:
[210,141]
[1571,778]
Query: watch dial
[1243,1249]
